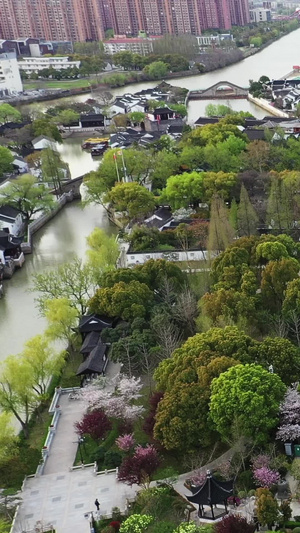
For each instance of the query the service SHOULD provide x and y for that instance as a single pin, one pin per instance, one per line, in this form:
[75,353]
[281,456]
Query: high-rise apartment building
[80,20]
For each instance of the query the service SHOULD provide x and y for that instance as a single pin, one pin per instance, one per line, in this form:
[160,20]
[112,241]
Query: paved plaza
[63,499]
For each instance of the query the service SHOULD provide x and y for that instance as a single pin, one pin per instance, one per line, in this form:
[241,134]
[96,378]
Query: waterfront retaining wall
[264,104]
[37,224]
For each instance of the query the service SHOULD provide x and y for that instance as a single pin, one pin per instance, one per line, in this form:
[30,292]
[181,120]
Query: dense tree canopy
[127,301]
[247,397]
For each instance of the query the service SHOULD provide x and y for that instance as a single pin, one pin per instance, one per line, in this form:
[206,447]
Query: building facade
[84,20]
[35,64]
[10,79]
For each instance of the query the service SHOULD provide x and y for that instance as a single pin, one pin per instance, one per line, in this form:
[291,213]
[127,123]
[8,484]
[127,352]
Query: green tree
[8,438]
[180,109]
[6,160]
[284,357]
[73,280]
[256,41]
[275,278]
[124,59]
[248,395]
[280,210]
[132,200]
[217,110]
[17,395]
[157,70]
[181,420]
[184,189]
[257,156]
[44,362]
[221,234]
[28,196]
[8,113]
[67,117]
[165,164]
[203,347]
[247,219]
[137,116]
[103,251]
[214,133]
[266,507]
[136,167]
[127,301]
[44,126]
[62,319]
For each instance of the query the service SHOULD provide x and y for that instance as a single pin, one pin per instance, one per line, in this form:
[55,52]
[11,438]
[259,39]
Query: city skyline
[81,20]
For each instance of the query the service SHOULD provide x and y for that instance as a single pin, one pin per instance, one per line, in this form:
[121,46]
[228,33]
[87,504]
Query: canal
[65,236]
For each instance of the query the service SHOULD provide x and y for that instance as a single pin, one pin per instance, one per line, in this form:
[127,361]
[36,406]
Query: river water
[65,235]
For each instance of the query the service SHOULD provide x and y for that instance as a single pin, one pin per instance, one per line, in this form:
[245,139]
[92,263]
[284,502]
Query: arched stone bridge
[222,89]
[74,186]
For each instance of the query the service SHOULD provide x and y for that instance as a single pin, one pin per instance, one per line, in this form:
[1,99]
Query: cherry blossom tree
[116,402]
[289,429]
[125,442]
[260,461]
[265,477]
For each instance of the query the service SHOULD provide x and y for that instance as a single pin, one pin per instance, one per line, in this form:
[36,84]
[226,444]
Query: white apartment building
[10,79]
[260,15]
[136,45]
[35,64]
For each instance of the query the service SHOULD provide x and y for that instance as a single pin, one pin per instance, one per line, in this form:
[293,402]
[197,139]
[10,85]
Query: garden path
[64,446]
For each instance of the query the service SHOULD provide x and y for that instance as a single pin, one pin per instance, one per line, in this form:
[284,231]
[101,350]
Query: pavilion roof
[211,492]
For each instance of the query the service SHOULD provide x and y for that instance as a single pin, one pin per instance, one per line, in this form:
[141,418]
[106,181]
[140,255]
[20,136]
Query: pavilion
[210,494]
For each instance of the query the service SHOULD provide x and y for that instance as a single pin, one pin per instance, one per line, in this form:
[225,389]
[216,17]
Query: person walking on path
[97,504]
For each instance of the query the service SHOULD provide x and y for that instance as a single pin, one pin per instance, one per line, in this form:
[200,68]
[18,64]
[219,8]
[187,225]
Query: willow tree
[247,218]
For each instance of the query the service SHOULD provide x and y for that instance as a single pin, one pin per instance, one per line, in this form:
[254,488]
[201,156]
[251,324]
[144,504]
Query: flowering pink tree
[140,467]
[265,477]
[289,429]
[116,402]
[125,442]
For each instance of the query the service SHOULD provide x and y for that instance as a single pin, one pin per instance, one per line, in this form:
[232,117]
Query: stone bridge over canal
[222,89]
[73,186]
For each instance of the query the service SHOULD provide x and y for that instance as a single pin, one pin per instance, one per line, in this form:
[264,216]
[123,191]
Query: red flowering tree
[234,524]
[95,424]
[140,467]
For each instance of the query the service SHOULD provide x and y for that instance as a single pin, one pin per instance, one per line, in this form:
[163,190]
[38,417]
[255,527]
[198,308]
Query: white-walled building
[10,79]
[35,64]
[260,15]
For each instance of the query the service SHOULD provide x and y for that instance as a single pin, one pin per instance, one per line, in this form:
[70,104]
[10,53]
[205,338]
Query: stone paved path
[63,499]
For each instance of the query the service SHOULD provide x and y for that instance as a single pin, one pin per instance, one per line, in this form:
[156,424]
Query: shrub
[297,530]
[116,514]
[150,419]
[234,524]
[112,459]
[246,481]
[98,455]
[136,523]
[115,524]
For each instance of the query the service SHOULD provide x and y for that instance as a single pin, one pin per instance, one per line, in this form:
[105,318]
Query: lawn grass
[56,84]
